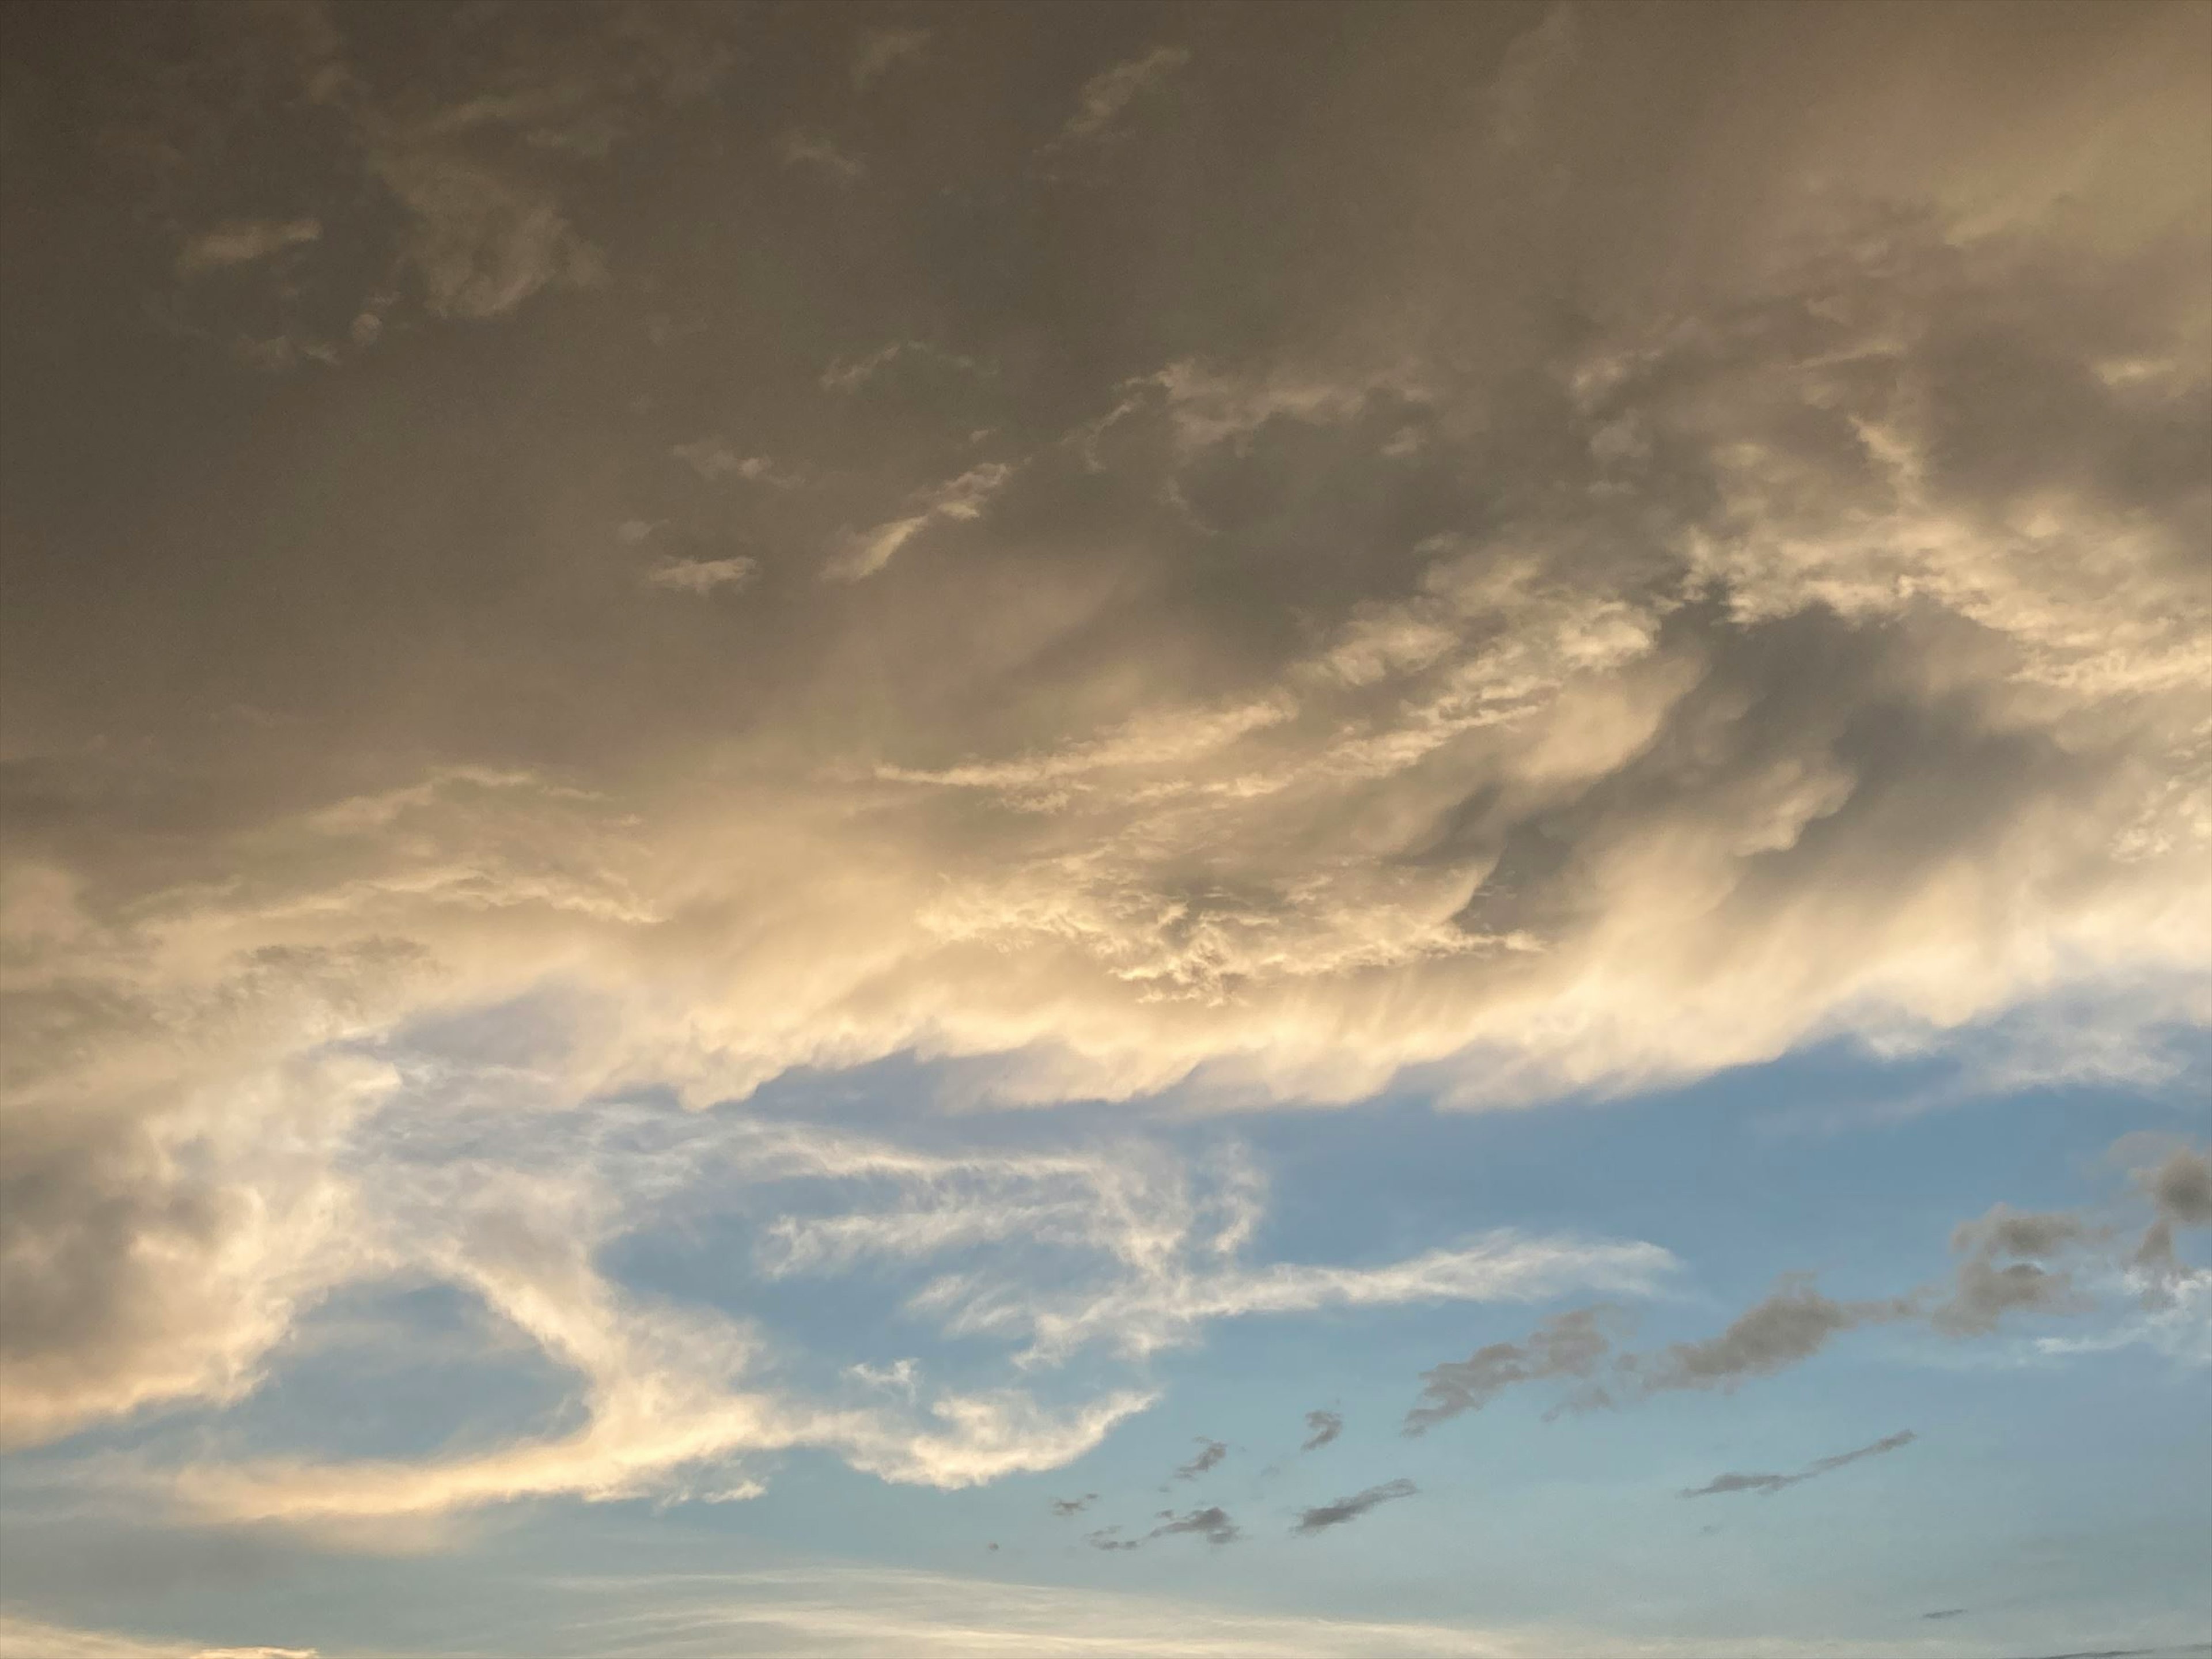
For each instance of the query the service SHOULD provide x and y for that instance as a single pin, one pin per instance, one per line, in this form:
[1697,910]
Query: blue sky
[1158,829]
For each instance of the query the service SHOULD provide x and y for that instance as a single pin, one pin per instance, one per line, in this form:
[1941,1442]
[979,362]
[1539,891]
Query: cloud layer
[1580,605]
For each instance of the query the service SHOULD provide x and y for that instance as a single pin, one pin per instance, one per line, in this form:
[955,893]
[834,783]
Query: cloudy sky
[1292,831]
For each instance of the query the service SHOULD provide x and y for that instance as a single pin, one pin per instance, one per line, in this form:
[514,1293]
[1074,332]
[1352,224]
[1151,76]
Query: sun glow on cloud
[641,561]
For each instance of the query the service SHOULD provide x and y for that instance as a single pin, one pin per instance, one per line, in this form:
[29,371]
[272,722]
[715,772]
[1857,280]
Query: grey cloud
[1321,1428]
[1325,1516]
[1210,1454]
[2181,1188]
[1790,1326]
[1067,1506]
[1946,1613]
[1571,1344]
[1767,1484]
[1784,1328]
[2180,1191]
[1999,1271]
[1212,1523]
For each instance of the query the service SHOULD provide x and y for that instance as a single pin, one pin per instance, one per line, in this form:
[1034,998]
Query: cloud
[476,166]
[481,240]
[1807,646]
[1212,1523]
[1322,1427]
[1767,1484]
[1571,1344]
[1325,1516]
[876,51]
[242,241]
[1946,1613]
[798,148]
[1790,1326]
[2000,1271]
[1064,1507]
[702,575]
[960,500]
[2000,1275]
[1121,1246]
[33,1637]
[1107,95]
[2180,1191]
[1210,1454]
[714,458]
[851,373]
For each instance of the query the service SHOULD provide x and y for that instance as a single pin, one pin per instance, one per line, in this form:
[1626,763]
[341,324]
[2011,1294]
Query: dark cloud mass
[1322,1427]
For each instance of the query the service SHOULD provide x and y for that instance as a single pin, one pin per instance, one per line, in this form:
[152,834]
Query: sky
[1201,831]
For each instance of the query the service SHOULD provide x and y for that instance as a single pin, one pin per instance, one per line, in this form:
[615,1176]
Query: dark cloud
[1792,1323]
[1571,1344]
[1323,1516]
[1323,1427]
[1067,1507]
[2010,1262]
[2180,1189]
[1946,1613]
[1212,1523]
[1210,1454]
[2001,1269]
[1767,1484]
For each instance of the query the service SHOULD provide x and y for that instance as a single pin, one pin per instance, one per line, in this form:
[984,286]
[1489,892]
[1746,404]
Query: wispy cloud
[704,575]
[243,241]
[716,458]
[1323,1516]
[1767,1484]
[1106,97]
[799,148]
[960,500]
